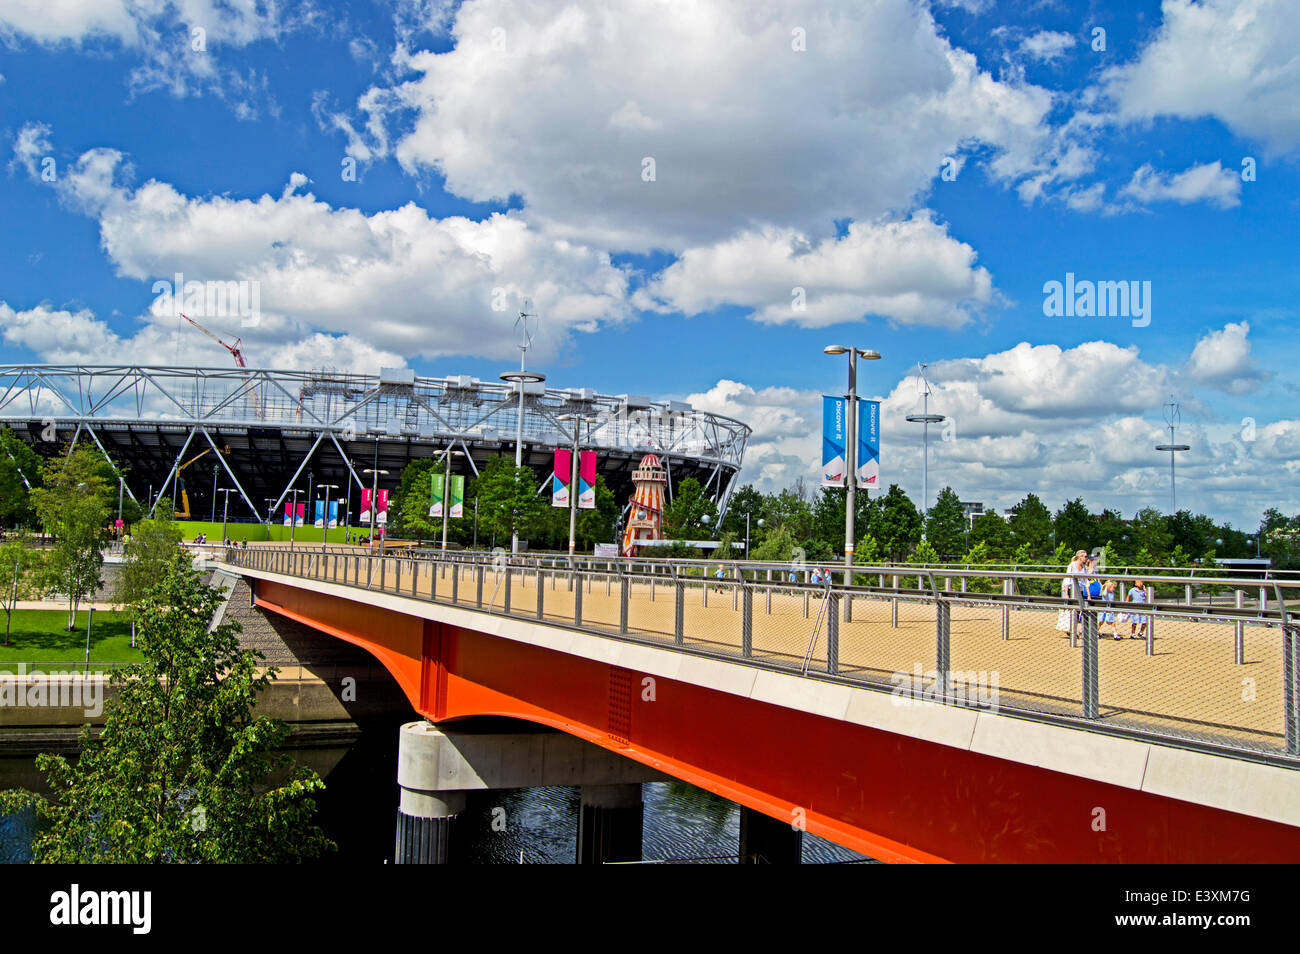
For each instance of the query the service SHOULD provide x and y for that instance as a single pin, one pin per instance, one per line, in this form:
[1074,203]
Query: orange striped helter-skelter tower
[645,519]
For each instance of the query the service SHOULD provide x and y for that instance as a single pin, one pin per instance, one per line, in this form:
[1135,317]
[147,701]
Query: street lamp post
[325,513]
[1172,418]
[446,495]
[374,503]
[577,420]
[926,418]
[293,516]
[225,512]
[851,450]
[761,521]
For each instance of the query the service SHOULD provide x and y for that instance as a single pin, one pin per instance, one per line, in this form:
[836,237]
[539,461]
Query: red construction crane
[239,360]
[233,349]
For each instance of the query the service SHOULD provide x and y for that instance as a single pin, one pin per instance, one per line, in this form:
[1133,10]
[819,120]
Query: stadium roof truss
[142,408]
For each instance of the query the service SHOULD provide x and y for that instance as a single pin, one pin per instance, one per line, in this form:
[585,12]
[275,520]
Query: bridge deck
[1189,688]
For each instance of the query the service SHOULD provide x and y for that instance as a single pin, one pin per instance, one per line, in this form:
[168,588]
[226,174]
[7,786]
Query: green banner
[435,495]
[457,495]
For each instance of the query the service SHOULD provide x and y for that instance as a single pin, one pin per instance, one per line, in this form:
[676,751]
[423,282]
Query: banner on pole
[435,494]
[381,508]
[301,512]
[560,474]
[365,504]
[334,513]
[319,521]
[288,513]
[834,429]
[868,461]
[457,495]
[587,480]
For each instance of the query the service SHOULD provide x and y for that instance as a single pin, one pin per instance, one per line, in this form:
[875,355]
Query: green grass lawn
[39,636]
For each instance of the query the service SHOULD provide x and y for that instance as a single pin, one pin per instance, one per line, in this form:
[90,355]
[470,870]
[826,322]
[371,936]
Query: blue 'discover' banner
[868,462]
[833,432]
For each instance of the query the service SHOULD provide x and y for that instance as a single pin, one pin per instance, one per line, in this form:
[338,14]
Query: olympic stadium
[189,432]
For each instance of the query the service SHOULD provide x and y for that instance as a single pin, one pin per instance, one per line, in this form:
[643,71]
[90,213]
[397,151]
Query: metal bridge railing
[1222,678]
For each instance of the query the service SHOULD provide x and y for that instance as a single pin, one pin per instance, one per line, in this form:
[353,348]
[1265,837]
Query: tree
[789,510]
[1031,523]
[945,525]
[777,546]
[992,531]
[149,556]
[897,525]
[17,561]
[508,501]
[1150,533]
[1076,527]
[684,517]
[746,500]
[182,770]
[409,508]
[72,506]
[19,466]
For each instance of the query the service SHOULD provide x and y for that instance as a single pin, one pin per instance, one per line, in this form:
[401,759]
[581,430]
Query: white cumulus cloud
[1209,182]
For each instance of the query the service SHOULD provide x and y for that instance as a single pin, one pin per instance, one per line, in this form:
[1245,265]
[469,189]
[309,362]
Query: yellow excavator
[185,497]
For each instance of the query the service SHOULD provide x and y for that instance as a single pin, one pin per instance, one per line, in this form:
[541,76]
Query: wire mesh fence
[1225,675]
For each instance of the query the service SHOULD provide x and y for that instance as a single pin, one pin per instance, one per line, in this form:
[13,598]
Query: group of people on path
[1081,579]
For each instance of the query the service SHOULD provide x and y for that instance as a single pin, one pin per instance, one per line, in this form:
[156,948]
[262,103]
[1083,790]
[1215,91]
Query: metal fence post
[1006,610]
[455,581]
[397,573]
[505,600]
[1091,684]
[1291,687]
[832,632]
[1290,675]
[624,592]
[679,610]
[746,620]
[1239,633]
[478,595]
[943,646]
[893,612]
[541,593]
[577,600]
[383,567]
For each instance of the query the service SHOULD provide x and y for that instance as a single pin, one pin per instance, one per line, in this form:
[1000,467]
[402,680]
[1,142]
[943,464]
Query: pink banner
[365,505]
[381,508]
[288,513]
[560,474]
[587,480]
[302,511]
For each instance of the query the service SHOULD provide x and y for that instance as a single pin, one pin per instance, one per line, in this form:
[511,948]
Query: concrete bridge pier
[438,765]
[609,823]
[768,841]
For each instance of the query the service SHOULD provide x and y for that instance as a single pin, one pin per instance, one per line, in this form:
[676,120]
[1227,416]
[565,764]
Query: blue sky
[499,151]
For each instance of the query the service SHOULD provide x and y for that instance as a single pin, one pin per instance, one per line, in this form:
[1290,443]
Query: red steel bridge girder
[889,796]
